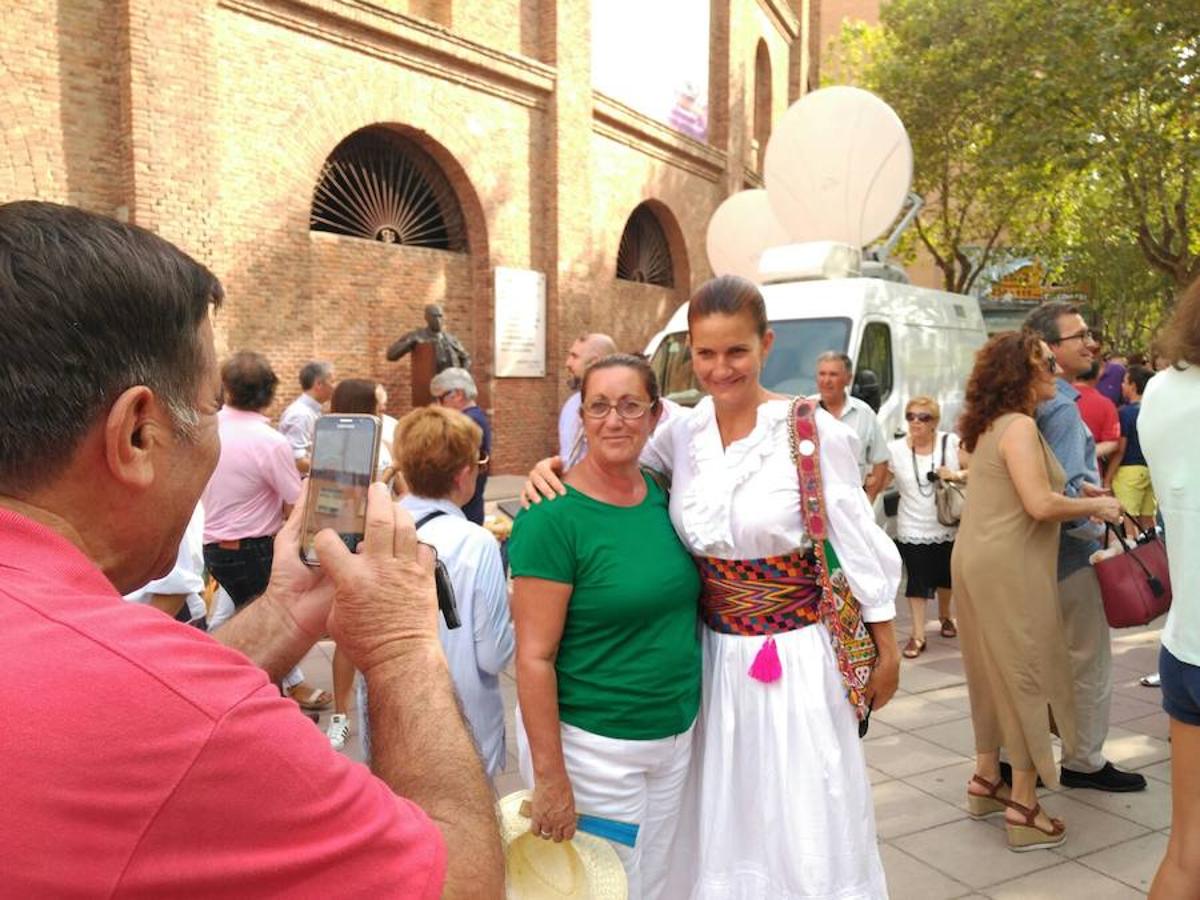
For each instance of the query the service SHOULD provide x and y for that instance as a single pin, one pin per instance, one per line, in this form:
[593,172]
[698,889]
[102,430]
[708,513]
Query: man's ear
[135,430]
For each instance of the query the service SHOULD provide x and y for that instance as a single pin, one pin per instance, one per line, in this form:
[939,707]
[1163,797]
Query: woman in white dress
[778,803]
[916,461]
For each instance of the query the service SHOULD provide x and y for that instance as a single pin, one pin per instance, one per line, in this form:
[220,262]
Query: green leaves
[1040,125]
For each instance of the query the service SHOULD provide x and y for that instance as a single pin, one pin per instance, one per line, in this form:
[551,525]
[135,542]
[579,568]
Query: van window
[791,365]
[876,354]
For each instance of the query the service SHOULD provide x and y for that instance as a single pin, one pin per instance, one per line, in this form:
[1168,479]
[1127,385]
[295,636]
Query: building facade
[341,163]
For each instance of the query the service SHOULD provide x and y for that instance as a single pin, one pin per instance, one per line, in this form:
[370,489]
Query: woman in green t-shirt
[608,655]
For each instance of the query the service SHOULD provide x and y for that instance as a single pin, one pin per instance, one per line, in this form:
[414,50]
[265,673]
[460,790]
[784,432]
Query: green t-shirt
[629,660]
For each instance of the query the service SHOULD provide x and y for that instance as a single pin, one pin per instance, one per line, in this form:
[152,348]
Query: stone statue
[448,352]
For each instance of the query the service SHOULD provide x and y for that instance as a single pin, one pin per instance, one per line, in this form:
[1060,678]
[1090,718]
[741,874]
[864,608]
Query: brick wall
[209,122]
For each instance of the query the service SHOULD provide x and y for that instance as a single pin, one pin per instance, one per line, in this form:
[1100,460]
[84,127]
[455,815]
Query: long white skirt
[778,803]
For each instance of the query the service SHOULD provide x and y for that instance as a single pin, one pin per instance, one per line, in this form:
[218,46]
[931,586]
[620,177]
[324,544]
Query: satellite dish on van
[838,167]
[739,231]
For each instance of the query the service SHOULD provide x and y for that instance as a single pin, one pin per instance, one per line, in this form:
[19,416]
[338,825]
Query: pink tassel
[766,667]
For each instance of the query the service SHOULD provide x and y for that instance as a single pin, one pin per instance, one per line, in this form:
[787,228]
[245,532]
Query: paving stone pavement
[919,752]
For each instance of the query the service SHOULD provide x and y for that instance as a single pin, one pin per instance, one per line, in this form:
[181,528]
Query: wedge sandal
[1031,836]
[980,806]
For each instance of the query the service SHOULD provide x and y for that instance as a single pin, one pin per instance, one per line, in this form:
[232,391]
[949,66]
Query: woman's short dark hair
[249,381]
[1179,341]
[729,295]
[1001,382]
[92,307]
[354,395]
[624,361]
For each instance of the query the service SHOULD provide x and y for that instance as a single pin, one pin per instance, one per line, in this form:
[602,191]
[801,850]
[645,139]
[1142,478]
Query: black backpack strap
[428,517]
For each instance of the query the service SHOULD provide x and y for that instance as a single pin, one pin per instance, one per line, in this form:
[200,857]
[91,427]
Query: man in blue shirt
[1062,327]
[455,388]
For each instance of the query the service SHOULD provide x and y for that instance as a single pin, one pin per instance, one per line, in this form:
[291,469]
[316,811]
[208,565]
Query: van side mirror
[866,388]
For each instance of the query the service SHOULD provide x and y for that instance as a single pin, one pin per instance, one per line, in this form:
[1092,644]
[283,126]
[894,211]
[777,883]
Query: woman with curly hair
[1004,573]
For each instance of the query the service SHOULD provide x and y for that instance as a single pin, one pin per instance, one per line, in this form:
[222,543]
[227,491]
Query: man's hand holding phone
[385,600]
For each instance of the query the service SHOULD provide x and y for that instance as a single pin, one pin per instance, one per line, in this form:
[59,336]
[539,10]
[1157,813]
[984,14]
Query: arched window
[644,254]
[380,186]
[762,102]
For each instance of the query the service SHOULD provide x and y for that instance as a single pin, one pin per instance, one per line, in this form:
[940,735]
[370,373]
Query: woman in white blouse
[778,802]
[915,463]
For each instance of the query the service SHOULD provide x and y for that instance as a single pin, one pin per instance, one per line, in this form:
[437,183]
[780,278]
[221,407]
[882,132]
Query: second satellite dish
[838,167]
[739,231]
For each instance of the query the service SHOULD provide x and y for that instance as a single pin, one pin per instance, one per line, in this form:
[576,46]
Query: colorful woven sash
[760,596]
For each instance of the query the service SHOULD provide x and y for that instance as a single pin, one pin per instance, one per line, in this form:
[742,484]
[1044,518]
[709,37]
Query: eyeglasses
[441,398]
[918,417]
[1086,336]
[626,407]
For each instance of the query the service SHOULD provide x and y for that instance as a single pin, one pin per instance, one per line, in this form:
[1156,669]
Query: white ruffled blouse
[743,501]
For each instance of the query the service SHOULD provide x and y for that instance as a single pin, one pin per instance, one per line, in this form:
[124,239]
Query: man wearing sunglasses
[1073,346]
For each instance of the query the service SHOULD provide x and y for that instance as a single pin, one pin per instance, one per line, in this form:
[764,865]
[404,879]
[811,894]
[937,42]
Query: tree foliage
[1052,128]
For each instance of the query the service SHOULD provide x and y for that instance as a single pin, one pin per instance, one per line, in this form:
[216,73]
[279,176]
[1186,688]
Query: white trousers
[630,781]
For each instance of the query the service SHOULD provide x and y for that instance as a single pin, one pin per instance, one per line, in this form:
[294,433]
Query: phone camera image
[345,454]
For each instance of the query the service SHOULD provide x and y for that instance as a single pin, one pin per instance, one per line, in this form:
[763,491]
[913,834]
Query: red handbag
[1135,583]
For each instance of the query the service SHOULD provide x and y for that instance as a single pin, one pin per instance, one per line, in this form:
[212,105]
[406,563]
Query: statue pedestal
[424,367]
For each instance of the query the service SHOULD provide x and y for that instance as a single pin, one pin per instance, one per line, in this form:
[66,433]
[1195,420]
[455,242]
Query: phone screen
[344,458]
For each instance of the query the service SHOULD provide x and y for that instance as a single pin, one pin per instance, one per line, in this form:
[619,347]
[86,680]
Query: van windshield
[791,366]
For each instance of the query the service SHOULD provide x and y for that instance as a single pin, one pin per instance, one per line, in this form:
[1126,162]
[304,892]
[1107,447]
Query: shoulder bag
[1135,584]
[853,646]
[948,496]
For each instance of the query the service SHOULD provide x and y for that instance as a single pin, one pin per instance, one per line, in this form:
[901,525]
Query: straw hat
[583,868]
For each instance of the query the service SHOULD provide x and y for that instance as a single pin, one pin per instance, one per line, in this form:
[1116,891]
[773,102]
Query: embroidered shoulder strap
[853,646]
[805,447]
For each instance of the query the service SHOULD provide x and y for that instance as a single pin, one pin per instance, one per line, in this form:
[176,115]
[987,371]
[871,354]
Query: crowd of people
[702,601]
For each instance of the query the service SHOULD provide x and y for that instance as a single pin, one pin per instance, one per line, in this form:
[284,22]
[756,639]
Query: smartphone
[345,457]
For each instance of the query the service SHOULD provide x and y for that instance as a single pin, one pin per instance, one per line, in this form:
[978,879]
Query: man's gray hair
[454,379]
[835,356]
[1043,320]
[312,372]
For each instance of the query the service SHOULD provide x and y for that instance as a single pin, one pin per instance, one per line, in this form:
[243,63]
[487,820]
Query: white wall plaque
[520,323]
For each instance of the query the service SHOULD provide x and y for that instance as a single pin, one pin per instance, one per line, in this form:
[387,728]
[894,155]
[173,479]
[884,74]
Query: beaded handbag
[853,645]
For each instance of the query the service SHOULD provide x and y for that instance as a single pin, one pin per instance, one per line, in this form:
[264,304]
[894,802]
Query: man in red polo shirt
[151,759]
[1099,413]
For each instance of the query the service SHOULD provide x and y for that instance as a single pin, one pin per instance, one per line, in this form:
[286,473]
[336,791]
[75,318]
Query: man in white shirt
[834,371]
[587,349]
[300,418]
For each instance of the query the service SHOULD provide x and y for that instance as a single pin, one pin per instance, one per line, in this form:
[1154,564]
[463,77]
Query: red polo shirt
[1098,413]
[140,758]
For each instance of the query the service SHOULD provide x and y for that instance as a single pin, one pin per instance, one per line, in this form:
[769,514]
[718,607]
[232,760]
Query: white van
[913,340]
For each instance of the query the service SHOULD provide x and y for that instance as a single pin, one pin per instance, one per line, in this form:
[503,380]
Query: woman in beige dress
[1004,575]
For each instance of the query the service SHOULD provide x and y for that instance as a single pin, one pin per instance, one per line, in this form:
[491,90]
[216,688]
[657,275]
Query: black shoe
[1006,774]
[1110,778]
